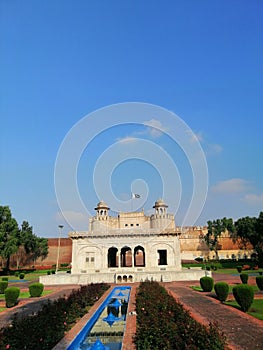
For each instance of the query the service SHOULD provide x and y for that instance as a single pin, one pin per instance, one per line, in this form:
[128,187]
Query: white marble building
[131,247]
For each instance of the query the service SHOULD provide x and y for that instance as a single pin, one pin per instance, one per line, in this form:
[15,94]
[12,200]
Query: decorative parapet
[129,232]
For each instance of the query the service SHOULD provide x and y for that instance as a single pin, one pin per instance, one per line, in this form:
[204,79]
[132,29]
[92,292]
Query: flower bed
[45,329]
[163,323]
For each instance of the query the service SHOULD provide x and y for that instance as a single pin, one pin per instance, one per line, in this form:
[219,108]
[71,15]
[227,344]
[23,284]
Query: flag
[135,195]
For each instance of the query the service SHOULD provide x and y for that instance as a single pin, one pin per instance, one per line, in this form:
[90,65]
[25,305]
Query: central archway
[112,257]
[139,256]
[126,257]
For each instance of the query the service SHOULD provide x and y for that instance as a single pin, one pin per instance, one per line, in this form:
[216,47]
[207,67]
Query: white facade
[131,247]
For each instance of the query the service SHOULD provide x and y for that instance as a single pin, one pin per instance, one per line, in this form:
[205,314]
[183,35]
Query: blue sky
[62,60]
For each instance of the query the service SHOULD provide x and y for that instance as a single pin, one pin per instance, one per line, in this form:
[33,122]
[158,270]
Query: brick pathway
[243,332]
[30,306]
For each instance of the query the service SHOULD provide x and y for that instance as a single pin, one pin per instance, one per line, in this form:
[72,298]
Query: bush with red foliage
[163,323]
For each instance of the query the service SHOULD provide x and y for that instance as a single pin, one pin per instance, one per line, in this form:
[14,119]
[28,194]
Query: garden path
[243,332]
[30,306]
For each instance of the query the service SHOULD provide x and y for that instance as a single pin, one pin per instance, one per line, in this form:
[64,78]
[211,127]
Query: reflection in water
[107,332]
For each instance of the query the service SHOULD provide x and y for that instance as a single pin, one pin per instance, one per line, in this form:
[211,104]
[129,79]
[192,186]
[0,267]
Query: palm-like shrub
[11,296]
[207,283]
[259,281]
[36,289]
[222,290]
[244,278]
[244,296]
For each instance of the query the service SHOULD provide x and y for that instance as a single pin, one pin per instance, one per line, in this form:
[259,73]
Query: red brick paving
[243,332]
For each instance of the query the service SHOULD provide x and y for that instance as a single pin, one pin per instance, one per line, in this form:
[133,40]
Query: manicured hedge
[163,323]
[207,283]
[36,289]
[222,290]
[259,281]
[11,296]
[244,277]
[3,286]
[244,296]
[45,329]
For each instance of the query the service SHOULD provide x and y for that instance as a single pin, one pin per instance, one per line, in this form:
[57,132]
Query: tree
[250,231]
[9,235]
[215,229]
[34,246]
[30,246]
[19,241]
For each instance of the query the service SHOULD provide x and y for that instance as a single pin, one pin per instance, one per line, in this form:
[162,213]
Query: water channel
[105,329]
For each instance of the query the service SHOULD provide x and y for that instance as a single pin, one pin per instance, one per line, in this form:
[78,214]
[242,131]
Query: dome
[160,203]
[102,205]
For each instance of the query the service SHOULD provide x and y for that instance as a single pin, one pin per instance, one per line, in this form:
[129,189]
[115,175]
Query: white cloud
[195,136]
[155,128]
[209,148]
[127,139]
[231,186]
[252,198]
[213,149]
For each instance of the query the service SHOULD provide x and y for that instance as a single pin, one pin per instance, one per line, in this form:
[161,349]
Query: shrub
[4,278]
[3,286]
[36,289]
[53,272]
[207,283]
[244,278]
[163,323]
[22,275]
[239,268]
[259,281]
[11,296]
[44,329]
[244,296]
[17,273]
[222,290]
[49,272]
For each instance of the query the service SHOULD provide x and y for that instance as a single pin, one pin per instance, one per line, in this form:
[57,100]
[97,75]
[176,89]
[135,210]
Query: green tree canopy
[9,234]
[12,238]
[250,231]
[215,229]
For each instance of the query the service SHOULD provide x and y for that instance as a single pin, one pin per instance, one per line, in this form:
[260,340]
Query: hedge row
[243,293]
[45,329]
[163,323]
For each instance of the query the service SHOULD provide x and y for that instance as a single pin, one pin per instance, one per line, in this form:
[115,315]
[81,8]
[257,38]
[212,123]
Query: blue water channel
[105,329]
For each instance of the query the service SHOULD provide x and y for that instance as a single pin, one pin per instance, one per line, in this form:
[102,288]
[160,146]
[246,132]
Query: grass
[256,309]
[24,295]
[199,289]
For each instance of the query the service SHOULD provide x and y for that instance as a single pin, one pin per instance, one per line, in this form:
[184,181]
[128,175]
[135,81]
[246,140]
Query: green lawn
[234,271]
[256,309]
[199,289]
[24,295]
